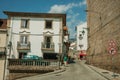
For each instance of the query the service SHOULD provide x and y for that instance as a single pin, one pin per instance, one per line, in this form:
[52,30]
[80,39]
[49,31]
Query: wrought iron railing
[28,62]
[23,46]
[47,45]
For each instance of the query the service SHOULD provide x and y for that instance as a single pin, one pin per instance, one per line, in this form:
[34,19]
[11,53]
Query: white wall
[83,41]
[36,29]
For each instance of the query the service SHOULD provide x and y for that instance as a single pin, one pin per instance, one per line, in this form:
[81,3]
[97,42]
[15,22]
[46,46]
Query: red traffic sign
[112,50]
[112,47]
[112,43]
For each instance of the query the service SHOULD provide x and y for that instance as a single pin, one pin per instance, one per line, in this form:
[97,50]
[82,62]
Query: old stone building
[103,19]
[3,38]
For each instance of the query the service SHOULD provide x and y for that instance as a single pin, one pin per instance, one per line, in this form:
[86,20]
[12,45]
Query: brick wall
[103,19]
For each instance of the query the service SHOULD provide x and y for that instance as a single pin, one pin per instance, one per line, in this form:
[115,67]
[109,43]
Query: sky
[74,9]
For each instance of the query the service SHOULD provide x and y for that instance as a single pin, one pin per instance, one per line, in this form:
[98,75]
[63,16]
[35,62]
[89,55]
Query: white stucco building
[38,34]
[82,42]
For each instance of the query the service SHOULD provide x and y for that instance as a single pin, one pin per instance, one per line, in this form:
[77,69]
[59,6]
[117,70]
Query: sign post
[112,50]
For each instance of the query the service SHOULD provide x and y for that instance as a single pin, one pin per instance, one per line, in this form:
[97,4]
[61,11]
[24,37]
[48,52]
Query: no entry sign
[112,50]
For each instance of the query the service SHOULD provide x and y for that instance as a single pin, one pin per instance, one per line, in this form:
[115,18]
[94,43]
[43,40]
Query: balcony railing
[23,47]
[47,47]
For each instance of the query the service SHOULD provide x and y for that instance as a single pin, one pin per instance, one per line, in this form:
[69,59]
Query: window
[48,41]
[23,39]
[1,22]
[21,55]
[48,24]
[24,23]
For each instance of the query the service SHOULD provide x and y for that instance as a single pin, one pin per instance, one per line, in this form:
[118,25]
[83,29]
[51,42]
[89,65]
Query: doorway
[22,54]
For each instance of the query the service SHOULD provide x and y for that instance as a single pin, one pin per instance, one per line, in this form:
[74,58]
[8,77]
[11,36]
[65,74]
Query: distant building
[72,39]
[40,34]
[82,42]
[3,37]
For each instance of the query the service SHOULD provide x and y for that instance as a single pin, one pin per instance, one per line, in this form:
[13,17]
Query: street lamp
[83,32]
[92,11]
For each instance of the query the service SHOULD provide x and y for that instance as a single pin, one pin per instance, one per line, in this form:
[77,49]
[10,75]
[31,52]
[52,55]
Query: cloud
[83,24]
[72,32]
[82,3]
[73,17]
[61,8]
[64,8]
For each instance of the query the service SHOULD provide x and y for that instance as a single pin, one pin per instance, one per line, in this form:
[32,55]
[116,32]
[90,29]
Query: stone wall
[103,19]
[2,63]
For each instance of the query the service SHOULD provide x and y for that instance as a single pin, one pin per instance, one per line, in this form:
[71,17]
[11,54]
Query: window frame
[1,23]
[24,23]
[48,43]
[48,24]
[24,39]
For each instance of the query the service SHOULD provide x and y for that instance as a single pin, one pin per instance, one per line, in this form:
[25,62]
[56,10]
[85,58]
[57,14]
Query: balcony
[23,47]
[47,47]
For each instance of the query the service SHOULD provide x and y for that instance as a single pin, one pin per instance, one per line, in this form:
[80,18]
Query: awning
[82,54]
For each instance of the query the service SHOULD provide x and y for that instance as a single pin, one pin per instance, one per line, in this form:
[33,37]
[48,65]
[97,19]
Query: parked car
[34,57]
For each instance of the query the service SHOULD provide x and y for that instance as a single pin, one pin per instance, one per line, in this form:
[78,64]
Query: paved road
[74,71]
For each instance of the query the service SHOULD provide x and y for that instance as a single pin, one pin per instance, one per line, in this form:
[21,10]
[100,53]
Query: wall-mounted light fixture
[83,32]
[80,36]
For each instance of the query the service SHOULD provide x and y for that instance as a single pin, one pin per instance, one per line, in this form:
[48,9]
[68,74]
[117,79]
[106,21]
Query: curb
[98,72]
[55,72]
[108,77]
[45,74]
